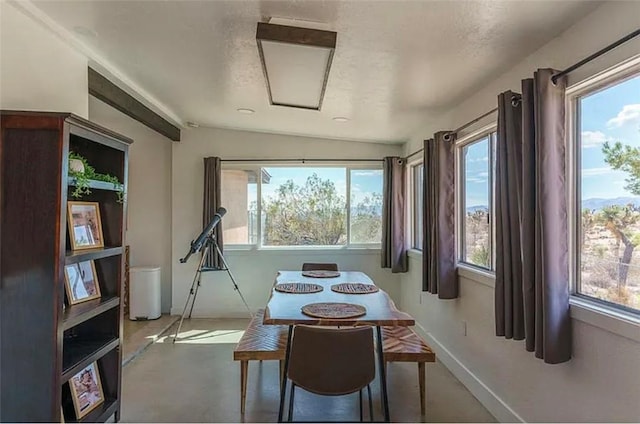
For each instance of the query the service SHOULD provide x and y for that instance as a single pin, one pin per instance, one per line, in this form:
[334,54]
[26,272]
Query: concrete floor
[196,380]
[138,335]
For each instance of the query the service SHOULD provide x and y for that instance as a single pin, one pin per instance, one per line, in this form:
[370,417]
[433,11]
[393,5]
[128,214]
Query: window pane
[304,206]
[366,206]
[609,194]
[476,231]
[239,197]
[418,205]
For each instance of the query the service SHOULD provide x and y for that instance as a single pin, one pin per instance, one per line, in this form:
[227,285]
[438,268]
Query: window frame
[348,167]
[490,131]
[574,93]
[413,204]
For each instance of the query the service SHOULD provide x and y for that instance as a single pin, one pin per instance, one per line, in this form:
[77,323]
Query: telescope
[197,244]
[207,242]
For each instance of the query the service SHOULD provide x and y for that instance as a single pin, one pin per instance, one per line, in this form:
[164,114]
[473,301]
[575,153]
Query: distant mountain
[472,209]
[597,204]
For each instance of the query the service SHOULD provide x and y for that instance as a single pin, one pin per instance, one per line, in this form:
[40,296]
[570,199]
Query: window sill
[609,319]
[414,253]
[239,250]
[477,275]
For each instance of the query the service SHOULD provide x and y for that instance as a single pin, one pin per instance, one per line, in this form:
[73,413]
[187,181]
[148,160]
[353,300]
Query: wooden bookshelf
[44,340]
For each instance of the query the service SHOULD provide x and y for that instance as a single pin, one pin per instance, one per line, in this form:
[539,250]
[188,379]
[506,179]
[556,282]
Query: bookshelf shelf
[47,344]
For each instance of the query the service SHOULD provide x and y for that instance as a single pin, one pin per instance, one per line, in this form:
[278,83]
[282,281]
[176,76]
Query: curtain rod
[413,154]
[597,54]
[301,160]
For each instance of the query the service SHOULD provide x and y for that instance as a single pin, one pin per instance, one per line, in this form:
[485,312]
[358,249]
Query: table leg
[383,377]
[283,386]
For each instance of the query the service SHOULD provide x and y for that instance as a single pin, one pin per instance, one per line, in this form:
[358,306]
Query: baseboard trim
[499,408]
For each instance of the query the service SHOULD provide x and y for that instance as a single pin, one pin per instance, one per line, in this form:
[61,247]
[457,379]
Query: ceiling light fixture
[246,111]
[340,119]
[296,63]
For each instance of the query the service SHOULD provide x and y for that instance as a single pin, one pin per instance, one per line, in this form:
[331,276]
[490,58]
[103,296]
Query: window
[366,206]
[302,206]
[607,208]
[417,172]
[239,196]
[476,201]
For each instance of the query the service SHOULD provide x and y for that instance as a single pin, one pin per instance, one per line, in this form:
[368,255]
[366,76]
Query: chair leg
[360,403]
[421,382]
[281,372]
[293,386]
[244,368]
[370,402]
[384,369]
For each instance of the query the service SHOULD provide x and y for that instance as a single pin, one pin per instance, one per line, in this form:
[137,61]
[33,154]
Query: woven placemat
[298,288]
[354,288]
[333,310]
[321,274]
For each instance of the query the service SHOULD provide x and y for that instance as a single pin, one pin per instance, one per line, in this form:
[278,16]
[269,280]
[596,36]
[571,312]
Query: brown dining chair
[319,267]
[332,362]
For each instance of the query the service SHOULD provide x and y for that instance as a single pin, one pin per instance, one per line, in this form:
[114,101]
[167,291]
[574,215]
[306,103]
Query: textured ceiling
[395,61]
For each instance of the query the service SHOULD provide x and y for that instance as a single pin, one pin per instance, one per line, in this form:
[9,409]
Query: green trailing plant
[82,180]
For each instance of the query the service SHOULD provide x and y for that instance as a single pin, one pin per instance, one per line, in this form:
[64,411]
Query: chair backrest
[319,267]
[329,361]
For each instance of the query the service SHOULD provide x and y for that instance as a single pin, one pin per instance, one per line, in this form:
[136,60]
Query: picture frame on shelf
[86,390]
[85,226]
[81,282]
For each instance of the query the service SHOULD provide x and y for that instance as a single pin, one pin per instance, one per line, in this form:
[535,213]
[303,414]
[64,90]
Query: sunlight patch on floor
[204,337]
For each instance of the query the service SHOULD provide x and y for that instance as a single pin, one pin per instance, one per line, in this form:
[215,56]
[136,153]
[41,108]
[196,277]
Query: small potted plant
[82,174]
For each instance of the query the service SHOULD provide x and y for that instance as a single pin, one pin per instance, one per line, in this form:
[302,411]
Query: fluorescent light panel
[296,63]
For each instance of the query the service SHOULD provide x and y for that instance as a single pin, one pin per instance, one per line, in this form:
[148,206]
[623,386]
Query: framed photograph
[81,282]
[86,390]
[85,227]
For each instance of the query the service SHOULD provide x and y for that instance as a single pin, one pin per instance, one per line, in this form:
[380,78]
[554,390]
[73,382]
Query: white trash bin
[144,293]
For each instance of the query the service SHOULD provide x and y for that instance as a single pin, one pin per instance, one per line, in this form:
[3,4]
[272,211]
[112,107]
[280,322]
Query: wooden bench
[259,342]
[402,344]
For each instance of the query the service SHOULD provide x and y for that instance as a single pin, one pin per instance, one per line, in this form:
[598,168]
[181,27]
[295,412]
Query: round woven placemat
[298,288]
[321,274]
[333,310]
[354,288]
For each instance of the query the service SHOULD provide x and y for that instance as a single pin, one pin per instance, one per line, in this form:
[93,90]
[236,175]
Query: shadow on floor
[196,380]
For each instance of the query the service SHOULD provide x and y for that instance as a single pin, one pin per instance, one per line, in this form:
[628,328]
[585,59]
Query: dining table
[286,309]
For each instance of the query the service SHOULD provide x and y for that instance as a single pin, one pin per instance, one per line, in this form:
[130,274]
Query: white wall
[149,193]
[602,381]
[37,70]
[253,270]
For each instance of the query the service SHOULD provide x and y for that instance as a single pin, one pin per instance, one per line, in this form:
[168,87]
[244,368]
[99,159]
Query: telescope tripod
[193,291]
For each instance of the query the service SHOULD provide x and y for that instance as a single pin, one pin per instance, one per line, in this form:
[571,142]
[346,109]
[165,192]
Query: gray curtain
[438,251]
[532,274]
[394,253]
[509,307]
[545,237]
[212,190]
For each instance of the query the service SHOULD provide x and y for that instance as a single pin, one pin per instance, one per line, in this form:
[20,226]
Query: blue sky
[364,182]
[612,114]
[477,173]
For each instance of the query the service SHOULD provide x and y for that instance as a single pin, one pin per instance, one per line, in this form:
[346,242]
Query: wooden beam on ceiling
[103,89]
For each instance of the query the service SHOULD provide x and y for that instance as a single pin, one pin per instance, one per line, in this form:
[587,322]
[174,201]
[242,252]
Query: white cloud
[628,114]
[367,173]
[591,139]
[475,180]
[592,172]
[482,159]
